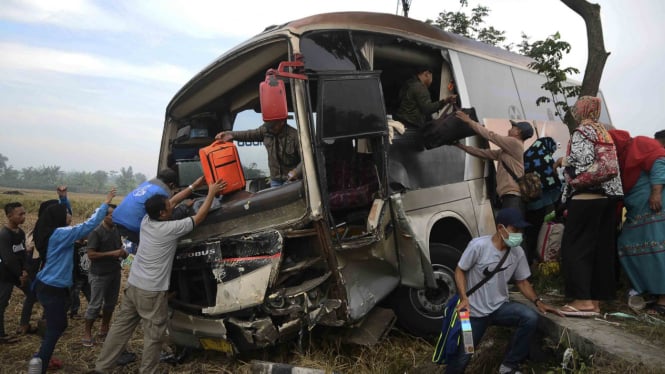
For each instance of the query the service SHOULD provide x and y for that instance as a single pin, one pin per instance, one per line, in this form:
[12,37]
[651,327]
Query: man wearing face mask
[490,304]
[281,142]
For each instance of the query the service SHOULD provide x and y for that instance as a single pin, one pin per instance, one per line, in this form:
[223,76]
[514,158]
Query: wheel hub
[432,301]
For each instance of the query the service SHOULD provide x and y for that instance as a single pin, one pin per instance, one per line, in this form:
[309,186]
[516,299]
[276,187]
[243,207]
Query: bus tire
[420,311]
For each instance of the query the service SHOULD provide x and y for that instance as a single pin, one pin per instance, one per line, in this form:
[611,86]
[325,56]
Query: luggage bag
[220,160]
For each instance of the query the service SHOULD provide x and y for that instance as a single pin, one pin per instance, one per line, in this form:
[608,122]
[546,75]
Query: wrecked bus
[376,221]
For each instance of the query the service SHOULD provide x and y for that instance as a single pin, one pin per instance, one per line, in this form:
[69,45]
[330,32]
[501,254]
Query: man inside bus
[415,102]
[510,154]
[281,142]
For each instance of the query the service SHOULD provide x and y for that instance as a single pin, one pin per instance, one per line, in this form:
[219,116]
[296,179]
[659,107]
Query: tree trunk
[596,47]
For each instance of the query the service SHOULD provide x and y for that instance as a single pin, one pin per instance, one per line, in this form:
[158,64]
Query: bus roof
[361,21]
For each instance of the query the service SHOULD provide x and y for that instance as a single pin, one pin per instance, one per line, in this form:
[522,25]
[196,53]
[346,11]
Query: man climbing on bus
[415,101]
[510,155]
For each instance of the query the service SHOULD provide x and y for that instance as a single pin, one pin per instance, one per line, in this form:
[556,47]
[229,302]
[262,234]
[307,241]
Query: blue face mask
[514,238]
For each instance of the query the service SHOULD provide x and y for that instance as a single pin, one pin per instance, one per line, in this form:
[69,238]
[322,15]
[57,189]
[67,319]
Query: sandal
[27,330]
[54,364]
[88,342]
[656,309]
[9,339]
[101,336]
[571,311]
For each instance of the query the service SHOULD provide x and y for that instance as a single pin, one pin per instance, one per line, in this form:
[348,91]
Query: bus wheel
[420,311]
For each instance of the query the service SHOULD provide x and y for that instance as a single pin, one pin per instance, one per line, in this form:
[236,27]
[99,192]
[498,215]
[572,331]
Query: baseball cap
[511,217]
[525,128]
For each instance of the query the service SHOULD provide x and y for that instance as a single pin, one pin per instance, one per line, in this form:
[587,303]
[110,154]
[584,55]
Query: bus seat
[354,183]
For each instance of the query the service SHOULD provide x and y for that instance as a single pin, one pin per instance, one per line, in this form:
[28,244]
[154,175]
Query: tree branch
[596,45]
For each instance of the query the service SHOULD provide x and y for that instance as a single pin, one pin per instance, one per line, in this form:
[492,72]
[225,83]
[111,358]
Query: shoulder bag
[605,164]
[531,188]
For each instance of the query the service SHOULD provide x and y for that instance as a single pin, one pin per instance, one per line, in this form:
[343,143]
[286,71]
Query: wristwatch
[536,300]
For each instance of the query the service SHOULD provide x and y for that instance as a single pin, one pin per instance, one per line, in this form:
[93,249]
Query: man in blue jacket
[129,213]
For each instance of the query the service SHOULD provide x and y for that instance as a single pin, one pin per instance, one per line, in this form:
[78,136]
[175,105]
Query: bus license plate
[220,345]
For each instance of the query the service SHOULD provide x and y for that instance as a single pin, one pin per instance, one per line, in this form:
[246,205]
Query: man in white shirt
[490,304]
[145,296]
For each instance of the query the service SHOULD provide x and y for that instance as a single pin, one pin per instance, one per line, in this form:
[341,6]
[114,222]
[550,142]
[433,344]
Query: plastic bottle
[35,366]
[127,262]
[467,334]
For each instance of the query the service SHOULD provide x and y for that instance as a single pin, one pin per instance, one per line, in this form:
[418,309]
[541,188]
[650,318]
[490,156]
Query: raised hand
[110,195]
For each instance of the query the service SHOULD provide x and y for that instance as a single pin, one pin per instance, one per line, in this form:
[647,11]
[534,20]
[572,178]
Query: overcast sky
[84,83]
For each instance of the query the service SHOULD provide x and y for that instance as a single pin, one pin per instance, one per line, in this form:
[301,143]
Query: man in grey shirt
[148,282]
[105,250]
[490,304]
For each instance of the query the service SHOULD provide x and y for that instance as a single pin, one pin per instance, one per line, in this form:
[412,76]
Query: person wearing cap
[415,101]
[282,145]
[510,153]
[490,304]
[660,136]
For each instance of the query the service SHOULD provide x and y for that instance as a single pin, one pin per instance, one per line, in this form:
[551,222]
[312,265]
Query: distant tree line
[48,177]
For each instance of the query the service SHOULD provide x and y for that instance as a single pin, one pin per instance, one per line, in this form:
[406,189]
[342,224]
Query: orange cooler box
[220,160]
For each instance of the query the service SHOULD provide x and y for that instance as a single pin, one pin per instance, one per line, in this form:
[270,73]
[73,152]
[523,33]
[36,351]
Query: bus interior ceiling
[397,61]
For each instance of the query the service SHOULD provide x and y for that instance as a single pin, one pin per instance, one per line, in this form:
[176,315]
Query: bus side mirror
[272,93]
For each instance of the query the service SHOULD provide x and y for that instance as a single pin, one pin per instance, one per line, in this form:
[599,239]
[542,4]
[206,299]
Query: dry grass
[399,353]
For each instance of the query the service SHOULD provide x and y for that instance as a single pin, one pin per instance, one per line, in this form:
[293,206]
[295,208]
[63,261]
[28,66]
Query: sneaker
[504,369]
[125,358]
[35,366]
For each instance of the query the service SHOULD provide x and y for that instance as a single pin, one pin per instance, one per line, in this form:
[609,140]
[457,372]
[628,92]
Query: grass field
[322,349]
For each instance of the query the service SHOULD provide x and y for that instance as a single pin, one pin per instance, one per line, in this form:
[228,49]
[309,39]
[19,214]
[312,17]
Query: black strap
[505,166]
[490,275]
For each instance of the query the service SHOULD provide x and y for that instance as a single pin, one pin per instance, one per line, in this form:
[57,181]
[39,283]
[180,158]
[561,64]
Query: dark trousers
[535,218]
[28,303]
[588,250]
[5,294]
[80,285]
[54,300]
[6,289]
[509,314]
[513,201]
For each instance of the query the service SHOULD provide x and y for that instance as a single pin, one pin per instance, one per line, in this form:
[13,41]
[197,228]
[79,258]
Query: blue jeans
[509,314]
[54,300]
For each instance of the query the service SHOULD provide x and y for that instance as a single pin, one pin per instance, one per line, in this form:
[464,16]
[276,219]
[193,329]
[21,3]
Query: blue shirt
[59,266]
[131,210]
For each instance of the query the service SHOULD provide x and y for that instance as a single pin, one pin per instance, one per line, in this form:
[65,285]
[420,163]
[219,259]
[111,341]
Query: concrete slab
[590,336]
[264,367]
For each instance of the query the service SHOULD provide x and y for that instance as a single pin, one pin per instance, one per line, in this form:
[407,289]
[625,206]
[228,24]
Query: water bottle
[467,334]
[127,262]
[35,366]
